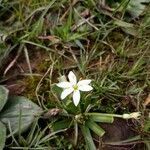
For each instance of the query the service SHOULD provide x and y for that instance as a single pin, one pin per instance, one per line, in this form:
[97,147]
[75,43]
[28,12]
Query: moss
[31,82]
[43,66]
[31,85]
[115,38]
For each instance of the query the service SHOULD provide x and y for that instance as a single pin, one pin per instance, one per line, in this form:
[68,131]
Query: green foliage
[3,96]
[2,135]
[35,138]
[63,124]
[147,125]
[88,138]
[81,117]
[17,113]
[94,127]
[3,100]
[136,7]
[98,117]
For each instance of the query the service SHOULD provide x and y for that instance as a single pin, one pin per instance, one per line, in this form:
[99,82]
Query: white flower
[135,115]
[73,87]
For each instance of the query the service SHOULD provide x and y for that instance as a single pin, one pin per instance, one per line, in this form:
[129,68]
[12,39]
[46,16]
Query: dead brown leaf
[147,101]
[85,13]
[51,113]
[52,38]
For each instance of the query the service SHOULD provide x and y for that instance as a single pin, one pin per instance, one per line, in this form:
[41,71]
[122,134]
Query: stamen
[75,87]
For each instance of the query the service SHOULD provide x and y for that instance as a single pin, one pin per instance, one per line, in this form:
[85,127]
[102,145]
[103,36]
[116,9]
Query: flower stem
[112,115]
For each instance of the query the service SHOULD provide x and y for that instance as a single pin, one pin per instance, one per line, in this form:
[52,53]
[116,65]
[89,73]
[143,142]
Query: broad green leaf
[2,135]
[63,124]
[136,7]
[3,96]
[98,117]
[88,138]
[19,112]
[95,128]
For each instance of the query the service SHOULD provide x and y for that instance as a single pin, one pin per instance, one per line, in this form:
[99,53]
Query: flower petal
[64,84]
[84,82]
[76,97]
[85,88]
[66,92]
[72,78]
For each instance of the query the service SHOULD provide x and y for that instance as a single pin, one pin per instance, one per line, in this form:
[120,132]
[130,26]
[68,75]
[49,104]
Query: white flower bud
[134,115]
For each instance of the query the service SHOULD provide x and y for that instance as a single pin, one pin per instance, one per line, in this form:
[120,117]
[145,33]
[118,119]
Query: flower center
[75,87]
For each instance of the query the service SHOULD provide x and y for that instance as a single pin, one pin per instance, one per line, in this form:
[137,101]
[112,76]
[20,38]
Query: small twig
[66,12]
[28,60]
[86,20]
[13,61]
[121,144]
[50,71]
[83,22]
[11,64]
[39,85]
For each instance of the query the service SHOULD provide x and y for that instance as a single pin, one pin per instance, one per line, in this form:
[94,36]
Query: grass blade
[95,128]
[88,138]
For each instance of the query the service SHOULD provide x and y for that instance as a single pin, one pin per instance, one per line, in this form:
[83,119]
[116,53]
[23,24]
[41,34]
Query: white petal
[66,92]
[83,82]
[62,79]
[64,84]
[72,78]
[85,88]
[76,97]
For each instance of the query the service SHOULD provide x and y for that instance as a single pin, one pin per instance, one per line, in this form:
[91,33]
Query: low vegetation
[49,46]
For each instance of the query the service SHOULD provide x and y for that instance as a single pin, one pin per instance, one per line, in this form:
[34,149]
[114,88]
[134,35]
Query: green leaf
[19,112]
[3,96]
[88,138]
[95,128]
[128,28]
[136,7]
[63,124]
[57,90]
[147,145]
[147,125]
[50,136]
[2,135]
[123,23]
[98,117]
